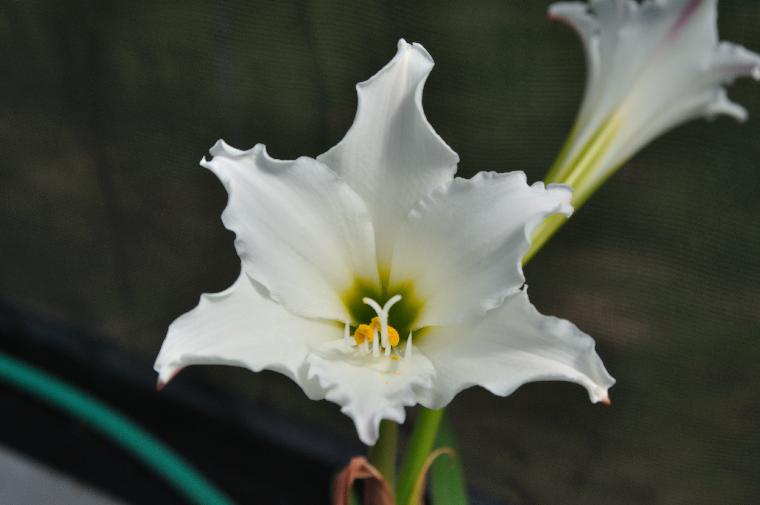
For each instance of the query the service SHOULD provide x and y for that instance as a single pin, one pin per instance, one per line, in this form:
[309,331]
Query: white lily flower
[374,278]
[651,66]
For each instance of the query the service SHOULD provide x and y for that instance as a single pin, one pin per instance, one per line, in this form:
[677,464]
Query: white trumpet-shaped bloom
[374,278]
[651,66]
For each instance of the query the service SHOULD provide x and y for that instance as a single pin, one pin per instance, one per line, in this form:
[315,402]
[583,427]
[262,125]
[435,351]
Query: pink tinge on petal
[161,383]
[683,19]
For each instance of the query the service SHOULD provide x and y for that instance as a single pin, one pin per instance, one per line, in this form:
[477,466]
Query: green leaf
[447,484]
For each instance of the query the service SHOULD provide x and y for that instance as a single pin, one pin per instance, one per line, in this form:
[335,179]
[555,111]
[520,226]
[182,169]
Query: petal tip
[605,400]
[403,48]
[165,376]
[723,105]
[554,12]
[424,52]
[564,195]
[570,13]
[217,148]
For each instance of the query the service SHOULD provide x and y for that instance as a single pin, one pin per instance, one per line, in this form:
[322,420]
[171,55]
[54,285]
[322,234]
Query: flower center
[402,318]
[378,333]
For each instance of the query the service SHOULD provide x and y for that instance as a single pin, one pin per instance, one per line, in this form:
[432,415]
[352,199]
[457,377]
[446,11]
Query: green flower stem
[420,445]
[383,454]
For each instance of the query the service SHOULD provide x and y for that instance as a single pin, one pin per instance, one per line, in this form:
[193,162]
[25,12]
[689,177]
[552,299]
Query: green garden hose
[152,452]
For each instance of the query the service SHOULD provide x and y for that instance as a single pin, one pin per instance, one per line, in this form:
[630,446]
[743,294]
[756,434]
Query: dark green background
[108,224]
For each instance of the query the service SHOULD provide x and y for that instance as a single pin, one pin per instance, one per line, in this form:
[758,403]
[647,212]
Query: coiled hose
[113,425]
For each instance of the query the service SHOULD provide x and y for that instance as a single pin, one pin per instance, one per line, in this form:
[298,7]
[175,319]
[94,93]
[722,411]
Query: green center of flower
[378,332]
[403,315]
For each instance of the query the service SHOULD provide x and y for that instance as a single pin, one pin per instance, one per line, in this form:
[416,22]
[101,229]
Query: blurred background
[110,230]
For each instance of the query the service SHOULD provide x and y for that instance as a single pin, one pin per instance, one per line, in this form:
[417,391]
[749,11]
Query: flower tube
[651,66]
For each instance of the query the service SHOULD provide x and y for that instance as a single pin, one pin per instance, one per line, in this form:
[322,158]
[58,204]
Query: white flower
[374,278]
[651,66]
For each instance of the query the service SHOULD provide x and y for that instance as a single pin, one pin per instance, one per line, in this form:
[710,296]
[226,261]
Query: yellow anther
[393,337]
[363,332]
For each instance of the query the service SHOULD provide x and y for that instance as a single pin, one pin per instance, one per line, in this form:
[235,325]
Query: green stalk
[578,173]
[569,170]
[543,233]
[421,443]
[560,164]
[383,454]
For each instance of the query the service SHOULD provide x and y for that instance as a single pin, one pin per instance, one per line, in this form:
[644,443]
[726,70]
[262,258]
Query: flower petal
[369,388]
[510,346]
[651,66]
[241,326]
[300,230]
[391,155]
[462,246]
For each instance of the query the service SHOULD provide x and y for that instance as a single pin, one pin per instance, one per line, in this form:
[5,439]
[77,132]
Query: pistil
[378,332]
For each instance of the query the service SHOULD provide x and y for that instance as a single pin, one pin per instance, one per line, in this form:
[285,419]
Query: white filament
[408,348]
[375,344]
[347,335]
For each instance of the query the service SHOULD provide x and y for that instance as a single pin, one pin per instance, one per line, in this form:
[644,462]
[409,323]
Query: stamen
[408,348]
[347,335]
[375,344]
[393,337]
[375,323]
[382,314]
[365,346]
